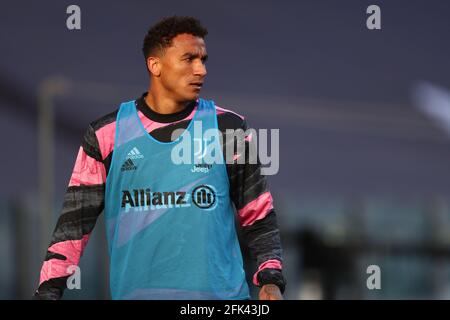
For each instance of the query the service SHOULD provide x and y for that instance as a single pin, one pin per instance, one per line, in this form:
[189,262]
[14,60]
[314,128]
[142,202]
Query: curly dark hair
[161,34]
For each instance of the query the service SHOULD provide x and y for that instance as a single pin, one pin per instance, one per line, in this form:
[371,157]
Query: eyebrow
[194,55]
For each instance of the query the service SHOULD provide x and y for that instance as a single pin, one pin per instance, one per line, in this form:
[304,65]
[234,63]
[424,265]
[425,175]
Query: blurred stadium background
[364,119]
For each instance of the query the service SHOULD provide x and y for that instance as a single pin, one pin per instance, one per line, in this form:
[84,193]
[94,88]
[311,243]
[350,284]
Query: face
[182,67]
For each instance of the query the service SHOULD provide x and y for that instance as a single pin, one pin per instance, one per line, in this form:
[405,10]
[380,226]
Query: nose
[200,69]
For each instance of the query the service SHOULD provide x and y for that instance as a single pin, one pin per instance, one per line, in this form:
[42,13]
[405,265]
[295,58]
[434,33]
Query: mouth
[196,85]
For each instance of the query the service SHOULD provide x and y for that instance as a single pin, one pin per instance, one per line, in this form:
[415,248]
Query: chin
[192,97]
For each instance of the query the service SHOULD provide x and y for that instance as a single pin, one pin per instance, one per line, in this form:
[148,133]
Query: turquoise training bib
[171,227]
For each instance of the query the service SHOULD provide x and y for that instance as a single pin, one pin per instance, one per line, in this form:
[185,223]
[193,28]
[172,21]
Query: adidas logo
[134,154]
[128,165]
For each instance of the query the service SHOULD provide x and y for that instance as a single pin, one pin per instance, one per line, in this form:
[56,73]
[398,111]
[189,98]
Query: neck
[163,104]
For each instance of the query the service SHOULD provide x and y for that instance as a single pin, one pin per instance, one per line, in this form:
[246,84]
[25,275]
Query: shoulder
[230,119]
[105,120]
[99,137]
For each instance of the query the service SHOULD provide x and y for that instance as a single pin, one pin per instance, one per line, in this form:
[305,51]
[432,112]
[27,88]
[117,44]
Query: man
[170,227]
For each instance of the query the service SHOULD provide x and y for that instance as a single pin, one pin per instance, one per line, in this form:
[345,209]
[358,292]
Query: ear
[154,66]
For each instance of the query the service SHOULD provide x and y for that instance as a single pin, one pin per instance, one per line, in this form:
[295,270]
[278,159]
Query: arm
[83,203]
[257,218]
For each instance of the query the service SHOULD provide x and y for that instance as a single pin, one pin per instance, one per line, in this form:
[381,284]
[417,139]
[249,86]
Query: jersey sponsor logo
[202,196]
[201,167]
[147,198]
[128,165]
[134,154]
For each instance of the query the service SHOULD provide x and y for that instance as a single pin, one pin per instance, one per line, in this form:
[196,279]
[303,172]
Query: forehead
[187,43]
